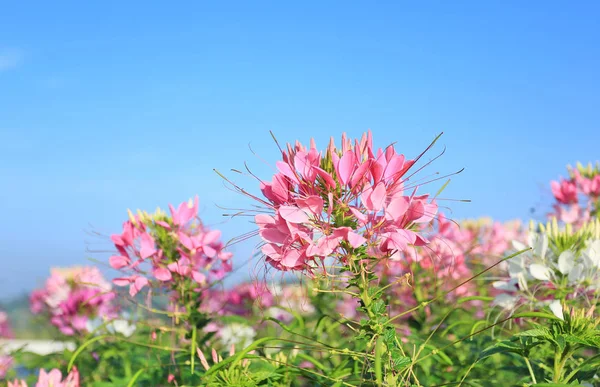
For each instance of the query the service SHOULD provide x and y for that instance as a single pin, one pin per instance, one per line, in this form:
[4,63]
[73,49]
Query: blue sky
[114,105]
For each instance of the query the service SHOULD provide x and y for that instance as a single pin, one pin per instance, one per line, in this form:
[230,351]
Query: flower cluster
[289,297]
[323,205]
[248,299]
[72,297]
[239,300]
[5,333]
[578,198]
[562,264]
[51,379]
[176,250]
[455,252]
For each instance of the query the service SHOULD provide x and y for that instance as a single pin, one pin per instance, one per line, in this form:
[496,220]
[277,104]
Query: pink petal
[199,277]
[209,251]
[137,285]
[355,239]
[293,214]
[358,215]
[121,281]
[280,188]
[163,224]
[147,246]
[312,203]
[119,261]
[262,220]
[377,197]
[285,168]
[302,164]
[162,274]
[292,259]
[397,208]
[360,173]
[273,235]
[211,237]
[329,182]
[346,166]
[393,171]
[186,241]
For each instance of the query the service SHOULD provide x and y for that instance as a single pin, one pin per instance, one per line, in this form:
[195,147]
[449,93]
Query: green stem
[560,359]
[530,370]
[367,300]
[379,349]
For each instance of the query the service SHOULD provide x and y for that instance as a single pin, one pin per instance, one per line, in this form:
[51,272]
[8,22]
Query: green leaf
[399,361]
[378,307]
[543,333]
[501,347]
[135,377]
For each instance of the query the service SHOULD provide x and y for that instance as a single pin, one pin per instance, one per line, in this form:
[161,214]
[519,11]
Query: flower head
[170,251]
[328,203]
[73,296]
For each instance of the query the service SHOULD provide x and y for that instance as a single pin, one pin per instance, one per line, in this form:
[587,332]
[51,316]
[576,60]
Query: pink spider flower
[5,328]
[51,379]
[169,251]
[327,204]
[565,191]
[239,300]
[440,267]
[6,363]
[584,182]
[589,186]
[72,297]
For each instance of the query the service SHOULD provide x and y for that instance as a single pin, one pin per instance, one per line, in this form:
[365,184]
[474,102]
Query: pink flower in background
[5,329]
[5,333]
[591,187]
[573,214]
[564,191]
[6,363]
[51,379]
[326,204]
[239,300]
[585,182]
[72,297]
[169,251]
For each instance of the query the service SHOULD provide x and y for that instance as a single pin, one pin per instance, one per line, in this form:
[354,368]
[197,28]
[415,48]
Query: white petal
[541,246]
[540,272]
[515,266]
[566,261]
[522,280]
[557,309]
[518,246]
[505,301]
[592,254]
[505,285]
[575,274]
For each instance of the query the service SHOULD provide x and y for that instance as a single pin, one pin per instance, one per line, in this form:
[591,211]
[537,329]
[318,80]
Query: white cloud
[10,58]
